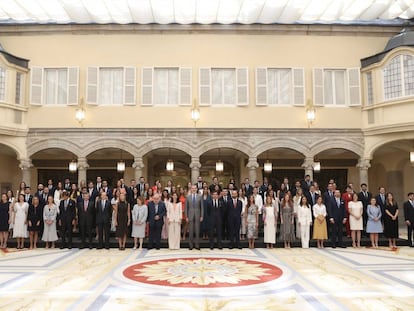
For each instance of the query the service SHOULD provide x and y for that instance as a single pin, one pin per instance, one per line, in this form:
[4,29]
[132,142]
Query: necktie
[85,205]
[66,205]
[44,197]
[156,209]
[235,203]
[338,202]
[103,205]
[193,200]
[382,198]
[215,204]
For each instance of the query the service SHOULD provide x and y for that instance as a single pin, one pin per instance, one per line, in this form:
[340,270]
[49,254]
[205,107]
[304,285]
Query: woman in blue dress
[374,225]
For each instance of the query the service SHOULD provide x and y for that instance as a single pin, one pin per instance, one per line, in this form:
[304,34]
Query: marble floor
[259,279]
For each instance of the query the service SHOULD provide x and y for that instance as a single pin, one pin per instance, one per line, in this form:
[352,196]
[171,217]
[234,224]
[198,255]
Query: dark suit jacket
[216,213]
[93,195]
[337,213]
[409,212]
[90,212]
[328,200]
[309,197]
[29,200]
[151,212]
[70,214]
[103,216]
[379,202]
[365,200]
[234,213]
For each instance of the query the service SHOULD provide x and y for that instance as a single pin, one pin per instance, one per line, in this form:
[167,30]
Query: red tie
[85,205]
[235,203]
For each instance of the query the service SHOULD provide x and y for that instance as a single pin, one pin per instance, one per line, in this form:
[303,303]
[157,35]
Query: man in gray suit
[194,210]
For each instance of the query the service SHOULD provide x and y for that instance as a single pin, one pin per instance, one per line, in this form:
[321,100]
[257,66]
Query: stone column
[252,165]
[25,165]
[363,165]
[308,166]
[82,167]
[138,165]
[195,166]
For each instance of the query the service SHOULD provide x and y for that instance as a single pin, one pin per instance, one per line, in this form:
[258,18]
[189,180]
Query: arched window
[399,77]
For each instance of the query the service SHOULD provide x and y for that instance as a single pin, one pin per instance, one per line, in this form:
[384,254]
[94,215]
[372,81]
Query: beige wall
[195,50]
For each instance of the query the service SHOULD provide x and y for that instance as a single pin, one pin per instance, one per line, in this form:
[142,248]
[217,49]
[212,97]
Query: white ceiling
[203,11]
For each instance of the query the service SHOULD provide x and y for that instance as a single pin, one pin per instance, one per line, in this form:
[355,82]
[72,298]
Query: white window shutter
[261,86]
[242,83]
[146,92]
[130,86]
[354,86]
[318,87]
[36,85]
[92,78]
[298,75]
[185,86]
[73,86]
[205,86]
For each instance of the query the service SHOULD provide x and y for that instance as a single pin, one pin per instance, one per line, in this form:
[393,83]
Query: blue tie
[193,200]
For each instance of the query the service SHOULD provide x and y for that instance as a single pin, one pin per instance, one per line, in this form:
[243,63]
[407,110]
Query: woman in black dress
[34,218]
[122,220]
[4,220]
[391,220]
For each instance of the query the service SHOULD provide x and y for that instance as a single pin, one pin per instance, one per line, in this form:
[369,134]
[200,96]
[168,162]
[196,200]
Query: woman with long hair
[374,226]
[320,231]
[287,232]
[122,220]
[269,221]
[252,220]
[391,221]
[34,218]
[355,209]
[4,220]
[174,216]
[304,221]
[21,209]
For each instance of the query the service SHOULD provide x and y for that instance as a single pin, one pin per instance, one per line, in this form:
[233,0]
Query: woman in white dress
[139,219]
[304,221]
[355,219]
[174,215]
[296,203]
[50,212]
[243,227]
[270,222]
[20,209]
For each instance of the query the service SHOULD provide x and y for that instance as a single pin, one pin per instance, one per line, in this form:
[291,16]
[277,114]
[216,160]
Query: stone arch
[20,154]
[369,152]
[166,142]
[292,144]
[64,144]
[104,143]
[215,143]
[341,143]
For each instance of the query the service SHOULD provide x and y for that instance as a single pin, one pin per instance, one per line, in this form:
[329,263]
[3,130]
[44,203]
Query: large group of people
[199,211]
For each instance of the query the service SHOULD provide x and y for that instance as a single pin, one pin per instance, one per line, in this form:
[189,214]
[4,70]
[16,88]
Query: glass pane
[229,85]
[160,86]
[118,86]
[339,76]
[217,86]
[328,87]
[408,74]
[62,96]
[392,79]
[285,87]
[50,86]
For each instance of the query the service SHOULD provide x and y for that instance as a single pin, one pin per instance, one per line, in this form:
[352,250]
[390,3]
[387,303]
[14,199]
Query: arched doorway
[337,164]
[156,161]
[53,163]
[103,163]
[10,176]
[286,162]
[234,165]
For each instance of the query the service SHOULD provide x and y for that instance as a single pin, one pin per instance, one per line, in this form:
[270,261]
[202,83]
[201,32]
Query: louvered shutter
[185,81]
[130,86]
[73,85]
[146,93]
[354,86]
[318,87]
[298,75]
[36,85]
[205,86]
[92,78]
[242,83]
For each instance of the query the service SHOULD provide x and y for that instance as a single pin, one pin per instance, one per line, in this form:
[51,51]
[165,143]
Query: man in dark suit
[214,184]
[156,213]
[51,187]
[141,186]
[248,188]
[103,220]
[328,199]
[106,189]
[337,219]
[263,188]
[39,191]
[199,183]
[215,214]
[27,196]
[67,218]
[234,219]
[93,193]
[381,199]
[44,195]
[306,184]
[86,211]
[130,192]
[409,217]
[365,197]
[225,199]
[194,210]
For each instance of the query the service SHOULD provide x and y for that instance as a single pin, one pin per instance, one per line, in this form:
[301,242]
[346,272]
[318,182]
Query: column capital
[308,163]
[364,163]
[252,163]
[138,163]
[82,164]
[195,163]
[25,164]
